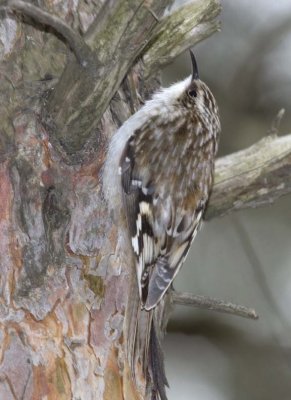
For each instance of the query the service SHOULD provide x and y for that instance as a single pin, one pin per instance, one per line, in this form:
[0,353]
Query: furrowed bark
[66,290]
[65,271]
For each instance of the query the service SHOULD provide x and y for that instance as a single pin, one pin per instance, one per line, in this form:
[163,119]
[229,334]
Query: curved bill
[195,74]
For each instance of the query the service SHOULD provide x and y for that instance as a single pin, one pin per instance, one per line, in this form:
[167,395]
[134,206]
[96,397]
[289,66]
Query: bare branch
[179,31]
[209,303]
[252,177]
[75,41]
[117,36]
[123,23]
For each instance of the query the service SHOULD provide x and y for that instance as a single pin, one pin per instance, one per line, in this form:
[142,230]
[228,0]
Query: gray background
[211,356]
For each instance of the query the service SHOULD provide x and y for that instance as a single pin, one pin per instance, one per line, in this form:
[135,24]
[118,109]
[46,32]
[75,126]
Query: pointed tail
[148,353]
[156,366]
[144,349]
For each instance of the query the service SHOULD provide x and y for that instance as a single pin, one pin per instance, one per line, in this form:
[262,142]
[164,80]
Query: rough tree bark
[65,269]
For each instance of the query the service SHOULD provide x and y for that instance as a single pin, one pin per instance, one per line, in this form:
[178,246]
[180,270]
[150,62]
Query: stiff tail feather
[144,349]
[156,366]
[148,354]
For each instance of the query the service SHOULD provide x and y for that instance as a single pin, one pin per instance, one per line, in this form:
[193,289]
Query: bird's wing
[161,233]
[137,201]
[179,235]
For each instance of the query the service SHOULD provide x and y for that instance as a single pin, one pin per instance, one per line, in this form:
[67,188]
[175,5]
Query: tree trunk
[67,282]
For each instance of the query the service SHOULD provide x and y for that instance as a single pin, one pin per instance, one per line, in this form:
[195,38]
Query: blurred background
[245,257]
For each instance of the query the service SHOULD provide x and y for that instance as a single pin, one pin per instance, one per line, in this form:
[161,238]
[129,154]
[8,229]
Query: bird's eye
[192,93]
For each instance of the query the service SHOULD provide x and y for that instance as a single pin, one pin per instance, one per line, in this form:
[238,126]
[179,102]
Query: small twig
[274,130]
[262,282]
[208,303]
[153,14]
[75,41]
[258,267]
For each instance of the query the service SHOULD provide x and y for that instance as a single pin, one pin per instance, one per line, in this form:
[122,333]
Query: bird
[160,168]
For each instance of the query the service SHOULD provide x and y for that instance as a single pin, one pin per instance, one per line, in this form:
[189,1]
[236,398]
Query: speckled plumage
[161,163]
[166,174]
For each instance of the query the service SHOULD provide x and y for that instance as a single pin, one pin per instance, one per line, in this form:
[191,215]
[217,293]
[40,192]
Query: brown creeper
[161,160]
[160,166]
